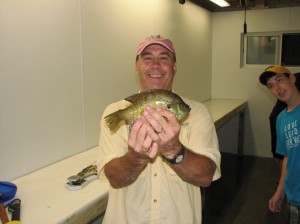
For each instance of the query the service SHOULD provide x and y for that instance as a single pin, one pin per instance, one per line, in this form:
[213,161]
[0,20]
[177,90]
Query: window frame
[278,51]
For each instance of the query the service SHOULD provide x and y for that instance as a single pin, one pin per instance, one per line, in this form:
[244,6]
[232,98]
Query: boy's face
[281,86]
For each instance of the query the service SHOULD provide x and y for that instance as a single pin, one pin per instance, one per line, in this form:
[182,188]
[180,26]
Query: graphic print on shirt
[292,136]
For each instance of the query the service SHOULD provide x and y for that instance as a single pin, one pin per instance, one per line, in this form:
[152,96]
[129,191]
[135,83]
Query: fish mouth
[188,108]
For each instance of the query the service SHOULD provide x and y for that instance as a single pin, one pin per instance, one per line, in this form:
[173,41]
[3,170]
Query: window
[270,48]
[290,49]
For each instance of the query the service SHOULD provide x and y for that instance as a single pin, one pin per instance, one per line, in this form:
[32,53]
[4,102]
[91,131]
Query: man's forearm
[195,169]
[124,170]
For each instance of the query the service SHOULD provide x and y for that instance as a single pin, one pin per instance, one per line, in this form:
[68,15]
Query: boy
[281,83]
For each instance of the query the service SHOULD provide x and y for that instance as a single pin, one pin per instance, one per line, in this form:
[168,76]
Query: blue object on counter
[8,191]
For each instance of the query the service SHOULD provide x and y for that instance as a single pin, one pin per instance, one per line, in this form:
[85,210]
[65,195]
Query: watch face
[179,159]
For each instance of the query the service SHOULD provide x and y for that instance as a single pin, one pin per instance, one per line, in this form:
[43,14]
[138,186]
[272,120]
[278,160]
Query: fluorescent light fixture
[221,3]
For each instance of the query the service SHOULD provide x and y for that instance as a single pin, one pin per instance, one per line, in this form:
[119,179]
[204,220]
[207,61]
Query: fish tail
[112,120]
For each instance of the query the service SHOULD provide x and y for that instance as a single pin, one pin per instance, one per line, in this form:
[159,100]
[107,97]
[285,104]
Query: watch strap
[178,157]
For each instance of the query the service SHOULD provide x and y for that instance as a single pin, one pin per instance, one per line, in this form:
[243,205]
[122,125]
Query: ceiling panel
[252,4]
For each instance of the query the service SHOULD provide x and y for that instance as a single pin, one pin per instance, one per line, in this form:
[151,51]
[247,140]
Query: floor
[241,196]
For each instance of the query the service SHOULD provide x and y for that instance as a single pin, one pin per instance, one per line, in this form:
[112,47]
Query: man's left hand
[164,130]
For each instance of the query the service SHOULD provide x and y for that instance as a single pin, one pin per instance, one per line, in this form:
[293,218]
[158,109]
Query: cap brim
[140,50]
[264,77]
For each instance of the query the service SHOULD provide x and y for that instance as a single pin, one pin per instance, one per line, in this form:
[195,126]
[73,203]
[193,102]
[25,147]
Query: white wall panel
[62,62]
[41,97]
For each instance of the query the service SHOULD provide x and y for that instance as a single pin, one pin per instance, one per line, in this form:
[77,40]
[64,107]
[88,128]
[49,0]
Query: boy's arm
[275,203]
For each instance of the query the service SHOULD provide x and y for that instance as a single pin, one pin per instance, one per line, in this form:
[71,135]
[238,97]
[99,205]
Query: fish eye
[169,106]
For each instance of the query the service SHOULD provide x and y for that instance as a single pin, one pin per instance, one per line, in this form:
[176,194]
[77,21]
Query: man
[156,166]
[281,83]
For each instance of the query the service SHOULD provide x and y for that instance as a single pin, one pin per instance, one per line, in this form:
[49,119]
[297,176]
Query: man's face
[281,86]
[156,68]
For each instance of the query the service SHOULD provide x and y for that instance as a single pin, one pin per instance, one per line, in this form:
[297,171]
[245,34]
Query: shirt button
[154,200]
[155,174]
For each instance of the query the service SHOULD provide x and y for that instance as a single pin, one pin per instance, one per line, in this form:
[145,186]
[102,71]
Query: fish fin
[137,97]
[112,120]
[133,98]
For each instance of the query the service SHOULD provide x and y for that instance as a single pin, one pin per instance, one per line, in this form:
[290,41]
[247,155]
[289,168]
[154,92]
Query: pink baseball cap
[157,39]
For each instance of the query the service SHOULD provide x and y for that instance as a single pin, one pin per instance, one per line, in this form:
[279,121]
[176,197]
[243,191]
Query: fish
[156,98]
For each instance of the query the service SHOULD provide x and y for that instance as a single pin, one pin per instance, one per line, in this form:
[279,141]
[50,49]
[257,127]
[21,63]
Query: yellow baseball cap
[271,71]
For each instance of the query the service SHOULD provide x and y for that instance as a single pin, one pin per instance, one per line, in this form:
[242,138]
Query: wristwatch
[178,157]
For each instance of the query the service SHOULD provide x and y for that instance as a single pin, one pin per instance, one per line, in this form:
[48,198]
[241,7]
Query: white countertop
[45,198]
[223,109]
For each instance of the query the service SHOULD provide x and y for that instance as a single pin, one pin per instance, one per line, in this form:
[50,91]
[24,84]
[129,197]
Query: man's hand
[139,141]
[163,130]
